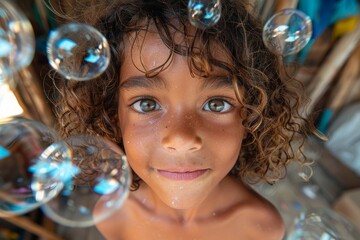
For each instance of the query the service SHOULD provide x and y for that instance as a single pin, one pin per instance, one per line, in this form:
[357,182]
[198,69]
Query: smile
[182,175]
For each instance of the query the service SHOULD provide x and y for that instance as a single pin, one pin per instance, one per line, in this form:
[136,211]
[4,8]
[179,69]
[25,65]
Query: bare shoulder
[261,218]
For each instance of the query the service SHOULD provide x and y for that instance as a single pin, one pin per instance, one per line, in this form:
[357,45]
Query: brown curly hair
[271,99]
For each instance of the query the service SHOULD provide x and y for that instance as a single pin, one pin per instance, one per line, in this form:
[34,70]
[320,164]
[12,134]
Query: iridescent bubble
[78,51]
[96,184]
[17,41]
[287,32]
[29,169]
[204,13]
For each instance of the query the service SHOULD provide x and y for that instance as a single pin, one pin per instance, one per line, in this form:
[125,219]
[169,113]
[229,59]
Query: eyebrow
[143,82]
[214,82]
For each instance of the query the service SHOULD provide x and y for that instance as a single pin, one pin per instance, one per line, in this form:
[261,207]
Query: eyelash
[137,105]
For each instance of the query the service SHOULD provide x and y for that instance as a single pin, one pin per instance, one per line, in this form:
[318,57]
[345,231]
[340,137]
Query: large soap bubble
[97,183]
[78,51]
[287,32]
[17,41]
[204,13]
[30,154]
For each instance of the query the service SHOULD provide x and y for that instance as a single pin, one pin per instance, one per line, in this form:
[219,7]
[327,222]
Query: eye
[217,105]
[145,105]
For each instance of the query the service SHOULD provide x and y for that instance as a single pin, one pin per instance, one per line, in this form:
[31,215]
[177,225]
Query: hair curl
[270,99]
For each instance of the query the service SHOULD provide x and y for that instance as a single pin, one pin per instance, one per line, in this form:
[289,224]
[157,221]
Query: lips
[182,175]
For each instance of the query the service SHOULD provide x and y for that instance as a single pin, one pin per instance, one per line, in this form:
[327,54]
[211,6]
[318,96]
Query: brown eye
[145,105]
[217,105]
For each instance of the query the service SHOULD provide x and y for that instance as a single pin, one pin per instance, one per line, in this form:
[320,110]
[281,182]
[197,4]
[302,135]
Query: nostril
[182,143]
[193,148]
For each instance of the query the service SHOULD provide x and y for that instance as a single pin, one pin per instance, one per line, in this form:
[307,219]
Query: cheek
[139,139]
[224,144]
[229,142]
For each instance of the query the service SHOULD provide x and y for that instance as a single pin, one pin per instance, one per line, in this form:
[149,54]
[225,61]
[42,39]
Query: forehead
[148,49]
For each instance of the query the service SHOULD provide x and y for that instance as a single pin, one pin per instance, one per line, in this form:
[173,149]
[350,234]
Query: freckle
[166,126]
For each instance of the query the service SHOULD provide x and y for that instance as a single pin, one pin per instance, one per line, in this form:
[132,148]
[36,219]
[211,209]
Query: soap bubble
[97,183]
[29,174]
[287,32]
[314,224]
[17,41]
[204,13]
[78,51]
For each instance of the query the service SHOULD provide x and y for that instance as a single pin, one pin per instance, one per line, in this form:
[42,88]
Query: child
[200,113]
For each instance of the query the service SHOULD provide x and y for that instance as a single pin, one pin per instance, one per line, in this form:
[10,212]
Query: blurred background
[329,68]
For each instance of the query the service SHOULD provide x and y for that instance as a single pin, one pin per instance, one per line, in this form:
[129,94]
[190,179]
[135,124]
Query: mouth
[182,175]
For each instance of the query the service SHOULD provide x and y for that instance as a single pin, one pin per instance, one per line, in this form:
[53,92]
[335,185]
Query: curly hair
[270,98]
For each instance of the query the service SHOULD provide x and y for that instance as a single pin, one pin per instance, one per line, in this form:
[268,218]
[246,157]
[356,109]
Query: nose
[180,134]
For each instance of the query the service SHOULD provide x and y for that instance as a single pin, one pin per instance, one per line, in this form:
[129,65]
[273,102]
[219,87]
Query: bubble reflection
[204,13]
[78,51]
[29,156]
[98,185]
[17,41]
[287,32]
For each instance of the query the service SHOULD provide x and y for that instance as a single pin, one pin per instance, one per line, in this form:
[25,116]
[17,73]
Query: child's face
[182,134]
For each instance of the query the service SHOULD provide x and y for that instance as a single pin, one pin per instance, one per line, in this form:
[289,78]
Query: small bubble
[204,13]
[287,32]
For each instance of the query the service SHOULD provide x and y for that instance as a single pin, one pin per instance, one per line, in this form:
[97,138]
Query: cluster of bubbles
[285,33]
[76,51]
[80,52]
[77,181]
